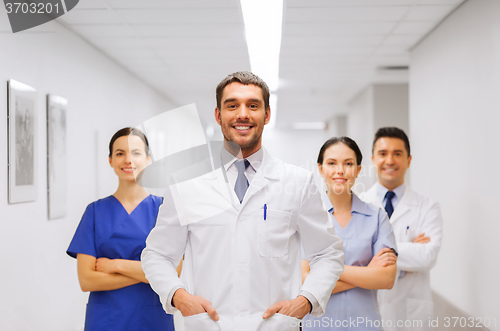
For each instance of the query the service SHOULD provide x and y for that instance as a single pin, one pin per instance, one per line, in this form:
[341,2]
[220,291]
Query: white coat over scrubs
[243,263]
[410,299]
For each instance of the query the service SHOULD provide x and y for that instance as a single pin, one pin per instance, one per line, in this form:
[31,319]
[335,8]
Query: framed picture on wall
[22,140]
[56,156]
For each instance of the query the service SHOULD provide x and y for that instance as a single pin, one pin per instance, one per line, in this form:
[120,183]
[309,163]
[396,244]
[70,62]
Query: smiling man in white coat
[417,225]
[241,268]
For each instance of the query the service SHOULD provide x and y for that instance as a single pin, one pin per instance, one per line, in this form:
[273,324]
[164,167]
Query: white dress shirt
[232,172]
[382,191]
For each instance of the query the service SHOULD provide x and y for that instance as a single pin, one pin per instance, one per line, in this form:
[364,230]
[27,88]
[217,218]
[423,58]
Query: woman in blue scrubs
[369,244]
[108,244]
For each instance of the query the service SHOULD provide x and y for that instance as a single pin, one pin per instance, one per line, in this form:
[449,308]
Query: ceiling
[330,51]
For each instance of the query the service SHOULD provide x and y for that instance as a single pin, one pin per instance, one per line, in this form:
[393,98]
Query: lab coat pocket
[273,233]
[280,322]
[97,316]
[200,322]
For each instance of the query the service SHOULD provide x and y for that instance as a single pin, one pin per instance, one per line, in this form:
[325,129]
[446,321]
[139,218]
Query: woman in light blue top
[369,244]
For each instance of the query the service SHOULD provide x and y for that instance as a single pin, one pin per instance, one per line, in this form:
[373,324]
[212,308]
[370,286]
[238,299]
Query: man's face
[242,116]
[391,159]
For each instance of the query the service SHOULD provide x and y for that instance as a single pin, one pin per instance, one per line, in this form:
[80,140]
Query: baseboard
[449,316]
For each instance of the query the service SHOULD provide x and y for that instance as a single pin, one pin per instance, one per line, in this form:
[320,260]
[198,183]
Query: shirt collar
[358,206]
[326,202]
[382,190]
[255,159]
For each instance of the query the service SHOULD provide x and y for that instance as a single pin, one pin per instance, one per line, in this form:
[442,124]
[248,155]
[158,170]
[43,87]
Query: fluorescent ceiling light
[309,126]
[263,22]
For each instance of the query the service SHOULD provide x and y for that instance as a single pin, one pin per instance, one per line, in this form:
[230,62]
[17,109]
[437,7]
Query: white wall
[360,122]
[376,106]
[298,147]
[360,128]
[38,283]
[337,126]
[390,106]
[454,118]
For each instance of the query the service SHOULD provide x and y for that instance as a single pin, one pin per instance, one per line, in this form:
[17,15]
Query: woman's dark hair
[346,141]
[127,132]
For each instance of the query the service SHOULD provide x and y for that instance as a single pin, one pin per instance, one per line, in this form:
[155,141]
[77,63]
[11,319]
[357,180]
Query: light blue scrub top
[368,231]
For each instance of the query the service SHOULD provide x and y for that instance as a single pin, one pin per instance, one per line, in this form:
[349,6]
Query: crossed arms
[380,273]
[103,274]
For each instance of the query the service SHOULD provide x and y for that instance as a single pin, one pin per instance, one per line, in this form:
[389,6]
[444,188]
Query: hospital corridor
[249,165]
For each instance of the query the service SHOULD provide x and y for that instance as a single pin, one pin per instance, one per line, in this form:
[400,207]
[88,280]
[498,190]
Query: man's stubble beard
[251,144]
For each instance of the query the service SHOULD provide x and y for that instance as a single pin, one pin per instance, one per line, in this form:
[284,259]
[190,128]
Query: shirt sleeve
[312,300]
[384,237]
[307,295]
[84,239]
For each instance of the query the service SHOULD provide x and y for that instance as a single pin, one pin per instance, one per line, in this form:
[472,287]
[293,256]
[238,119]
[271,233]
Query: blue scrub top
[368,231]
[107,230]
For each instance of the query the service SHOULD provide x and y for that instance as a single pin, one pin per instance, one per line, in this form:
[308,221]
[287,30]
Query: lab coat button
[242,218]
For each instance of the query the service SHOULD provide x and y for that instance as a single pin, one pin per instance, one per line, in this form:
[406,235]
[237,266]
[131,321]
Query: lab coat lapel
[267,171]
[370,196]
[218,180]
[404,206]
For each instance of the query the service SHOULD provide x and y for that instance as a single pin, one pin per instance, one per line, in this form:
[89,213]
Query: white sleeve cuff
[312,300]
[167,304]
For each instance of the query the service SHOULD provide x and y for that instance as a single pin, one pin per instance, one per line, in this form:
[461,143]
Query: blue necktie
[241,185]
[388,204]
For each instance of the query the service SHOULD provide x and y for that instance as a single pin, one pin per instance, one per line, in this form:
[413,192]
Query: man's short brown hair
[245,78]
[392,132]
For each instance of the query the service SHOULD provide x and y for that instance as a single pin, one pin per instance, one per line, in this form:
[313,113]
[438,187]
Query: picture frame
[56,156]
[22,142]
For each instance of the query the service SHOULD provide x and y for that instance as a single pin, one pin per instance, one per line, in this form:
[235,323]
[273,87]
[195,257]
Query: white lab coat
[242,263]
[411,299]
